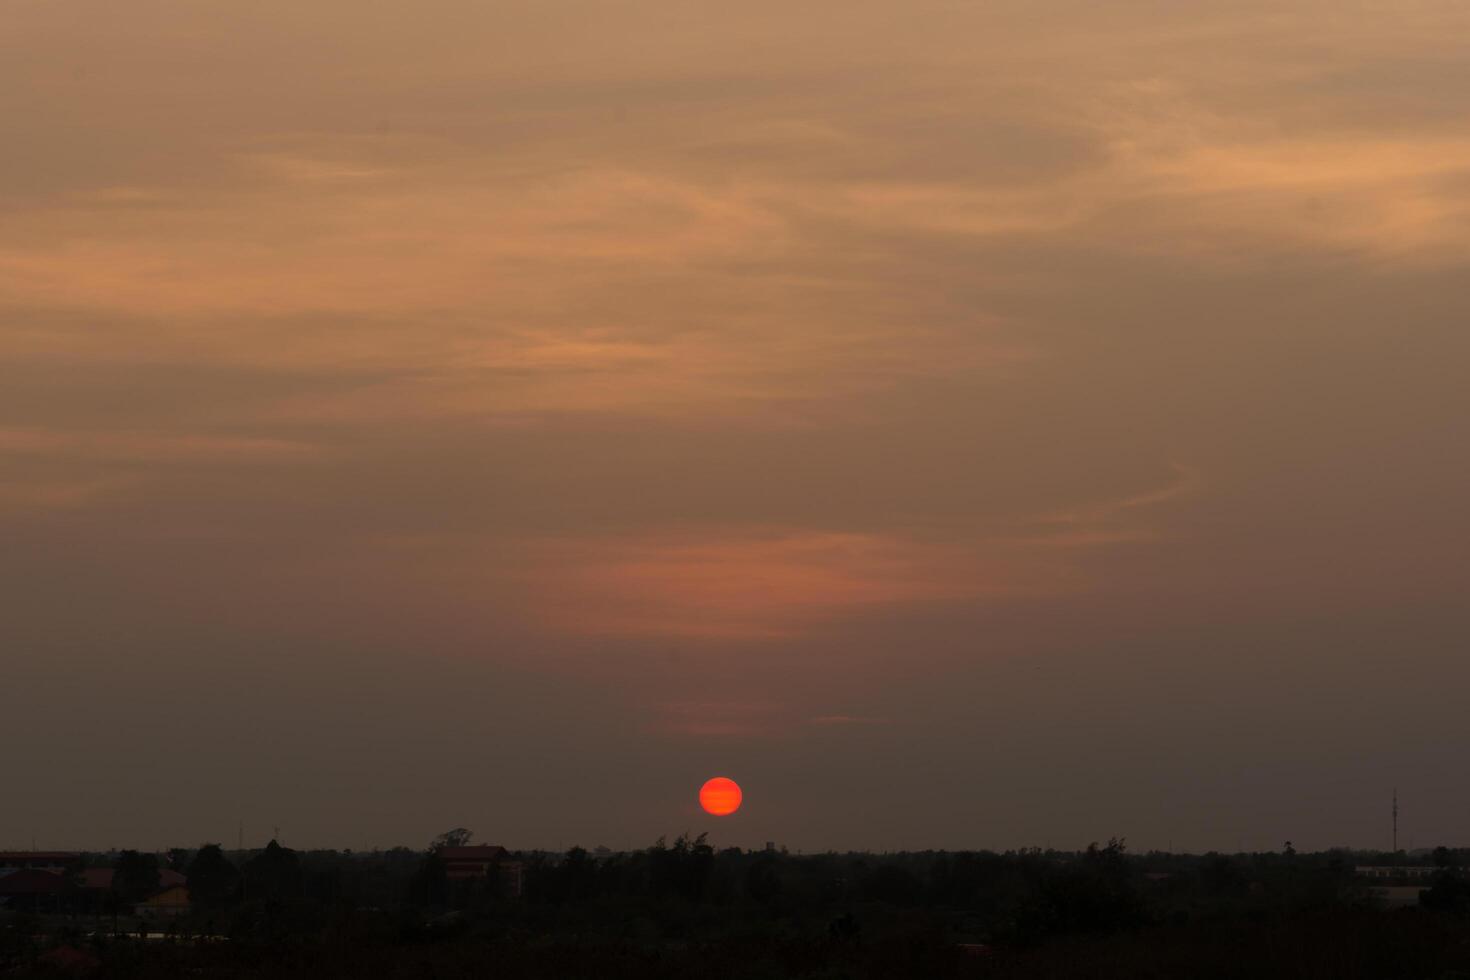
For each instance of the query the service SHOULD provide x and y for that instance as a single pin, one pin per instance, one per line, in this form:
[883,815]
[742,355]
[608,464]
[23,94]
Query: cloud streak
[151,447]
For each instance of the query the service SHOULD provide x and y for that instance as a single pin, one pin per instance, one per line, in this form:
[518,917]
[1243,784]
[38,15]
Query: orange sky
[1048,412]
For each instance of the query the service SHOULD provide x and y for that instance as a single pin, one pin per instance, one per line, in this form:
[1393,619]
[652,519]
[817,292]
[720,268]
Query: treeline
[686,908]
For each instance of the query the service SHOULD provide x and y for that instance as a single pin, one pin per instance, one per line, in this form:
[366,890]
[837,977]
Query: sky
[971,424]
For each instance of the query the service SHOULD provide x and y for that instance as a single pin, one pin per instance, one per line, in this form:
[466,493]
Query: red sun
[720,796]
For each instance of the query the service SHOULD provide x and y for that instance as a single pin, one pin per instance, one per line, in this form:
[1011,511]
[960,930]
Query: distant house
[58,862]
[1396,885]
[31,887]
[1396,872]
[1397,896]
[481,861]
[97,879]
[168,902]
[474,861]
[33,877]
[100,879]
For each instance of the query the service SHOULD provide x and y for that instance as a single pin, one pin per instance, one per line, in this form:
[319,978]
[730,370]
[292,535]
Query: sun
[720,796]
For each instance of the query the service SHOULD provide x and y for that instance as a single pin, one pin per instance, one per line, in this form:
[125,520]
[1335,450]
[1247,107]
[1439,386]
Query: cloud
[30,493]
[826,721]
[718,719]
[769,583]
[599,290]
[766,584]
[743,243]
[151,447]
[731,584]
[1091,521]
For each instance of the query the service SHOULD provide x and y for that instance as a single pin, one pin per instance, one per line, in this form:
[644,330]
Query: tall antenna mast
[1395,819]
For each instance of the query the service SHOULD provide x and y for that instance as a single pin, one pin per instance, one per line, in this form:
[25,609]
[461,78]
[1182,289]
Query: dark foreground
[688,911]
[1407,944]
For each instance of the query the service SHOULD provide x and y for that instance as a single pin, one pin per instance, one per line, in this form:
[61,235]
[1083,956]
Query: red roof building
[100,879]
[58,861]
[483,861]
[97,879]
[474,861]
[170,901]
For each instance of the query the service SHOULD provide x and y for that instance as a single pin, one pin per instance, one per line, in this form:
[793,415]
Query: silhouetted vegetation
[135,876]
[213,881]
[686,909]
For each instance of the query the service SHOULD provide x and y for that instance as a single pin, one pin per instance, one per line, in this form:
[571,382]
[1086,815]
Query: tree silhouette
[274,873]
[458,837]
[213,880]
[136,876]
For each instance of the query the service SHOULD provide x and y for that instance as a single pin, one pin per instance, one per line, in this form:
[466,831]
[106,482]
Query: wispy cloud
[718,719]
[831,721]
[152,447]
[714,584]
[767,583]
[30,493]
[1102,518]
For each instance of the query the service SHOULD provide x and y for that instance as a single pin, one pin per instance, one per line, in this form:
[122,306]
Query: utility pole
[1395,819]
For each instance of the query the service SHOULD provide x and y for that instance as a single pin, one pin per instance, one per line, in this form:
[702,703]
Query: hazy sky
[966,424]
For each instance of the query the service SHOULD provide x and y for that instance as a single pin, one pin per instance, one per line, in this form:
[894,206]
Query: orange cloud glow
[771,583]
